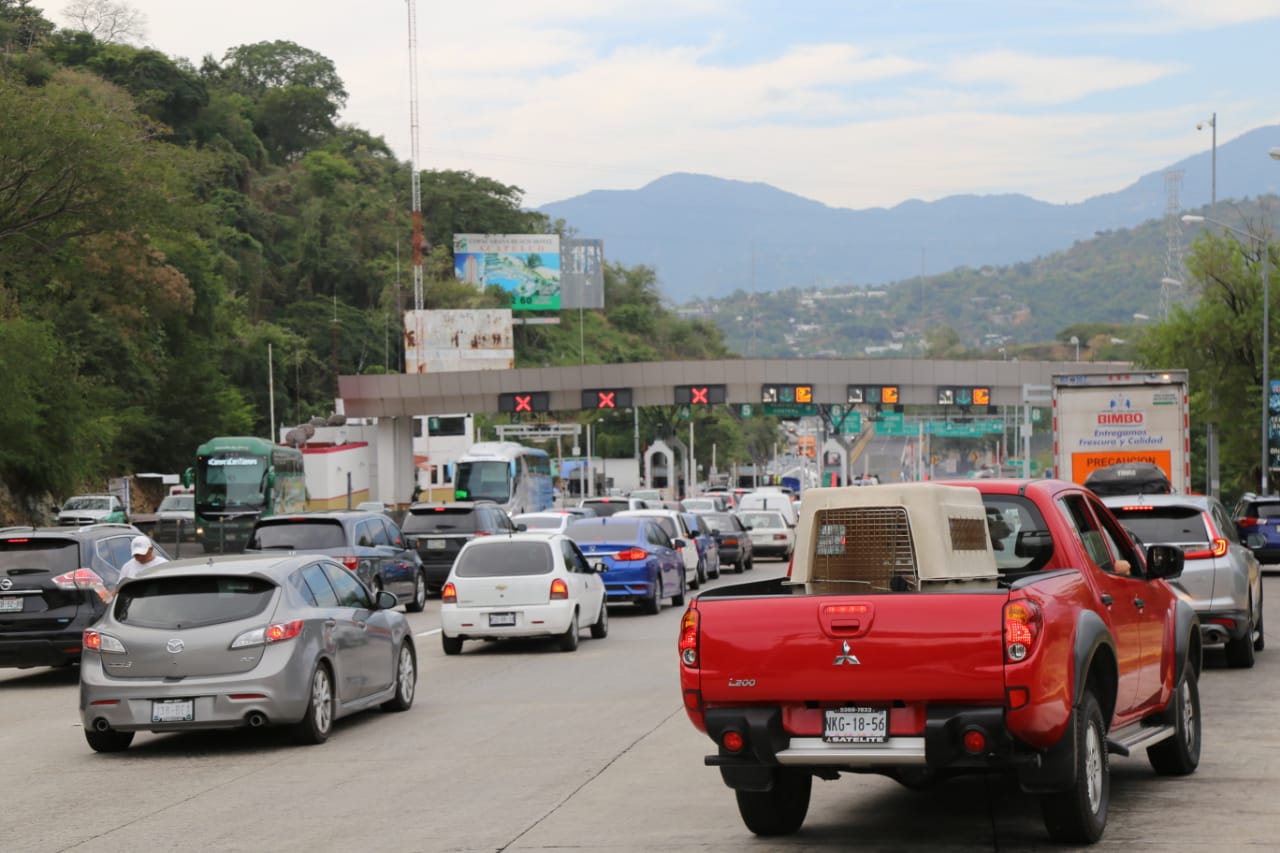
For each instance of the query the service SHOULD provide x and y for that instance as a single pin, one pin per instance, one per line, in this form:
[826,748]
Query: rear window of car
[592,530]
[51,555]
[1267,510]
[1164,525]
[762,519]
[504,559]
[441,521]
[607,508]
[192,601]
[300,534]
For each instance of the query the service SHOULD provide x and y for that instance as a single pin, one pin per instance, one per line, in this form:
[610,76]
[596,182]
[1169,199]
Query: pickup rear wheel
[781,809]
[1180,754]
[1079,814]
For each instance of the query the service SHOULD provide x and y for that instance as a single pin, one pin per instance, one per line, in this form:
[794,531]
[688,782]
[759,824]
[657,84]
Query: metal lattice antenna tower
[419,237]
[1173,273]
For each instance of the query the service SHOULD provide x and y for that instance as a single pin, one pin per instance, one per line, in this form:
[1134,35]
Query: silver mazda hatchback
[248,641]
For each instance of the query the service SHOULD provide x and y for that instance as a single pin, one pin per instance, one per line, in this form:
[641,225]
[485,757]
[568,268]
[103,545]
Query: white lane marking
[427,633]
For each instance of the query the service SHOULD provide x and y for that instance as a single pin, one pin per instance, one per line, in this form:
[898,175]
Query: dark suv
[54,583]
[439,530]
[367,543]
[1258,520]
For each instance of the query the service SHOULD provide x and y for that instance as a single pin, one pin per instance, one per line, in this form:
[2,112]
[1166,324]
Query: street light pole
[1213,161]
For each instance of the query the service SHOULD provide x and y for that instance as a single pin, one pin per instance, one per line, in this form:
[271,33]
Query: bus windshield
[231,481]
[483,481]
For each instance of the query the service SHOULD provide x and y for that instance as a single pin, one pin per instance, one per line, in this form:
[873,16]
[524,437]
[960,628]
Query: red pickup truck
[926,630]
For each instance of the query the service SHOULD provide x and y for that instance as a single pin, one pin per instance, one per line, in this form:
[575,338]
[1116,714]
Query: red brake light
[351,562]
[1217,545]
[689,637]
[1248,521]
[1022,624]
[282,631]
[559,590]
[449,595]
[632,554]
[84,579]
[439,509]
[91,640]
[24,539]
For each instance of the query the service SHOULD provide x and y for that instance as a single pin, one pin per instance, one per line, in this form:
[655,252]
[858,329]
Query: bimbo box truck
[1101,420]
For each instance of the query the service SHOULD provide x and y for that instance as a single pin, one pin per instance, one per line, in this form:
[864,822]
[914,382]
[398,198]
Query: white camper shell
[897,537]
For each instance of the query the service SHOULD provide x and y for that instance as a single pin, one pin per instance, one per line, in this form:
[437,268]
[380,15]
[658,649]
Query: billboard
[525,265]
[581,273]
[448,341]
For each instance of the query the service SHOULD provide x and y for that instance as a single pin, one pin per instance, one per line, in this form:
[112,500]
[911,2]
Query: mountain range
[708,237]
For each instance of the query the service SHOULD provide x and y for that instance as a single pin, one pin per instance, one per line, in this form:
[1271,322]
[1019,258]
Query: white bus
[515,477]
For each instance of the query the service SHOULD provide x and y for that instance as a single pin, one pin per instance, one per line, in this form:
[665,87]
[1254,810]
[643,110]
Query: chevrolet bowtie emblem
[844,656]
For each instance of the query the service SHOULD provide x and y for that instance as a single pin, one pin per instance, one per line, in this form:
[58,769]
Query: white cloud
[1201,13]
[1054,80]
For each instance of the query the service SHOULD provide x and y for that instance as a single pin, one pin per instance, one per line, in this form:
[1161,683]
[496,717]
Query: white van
[770,500]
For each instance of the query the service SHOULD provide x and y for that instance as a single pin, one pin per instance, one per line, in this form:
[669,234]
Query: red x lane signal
[700,395]
[524,401]
[606,398]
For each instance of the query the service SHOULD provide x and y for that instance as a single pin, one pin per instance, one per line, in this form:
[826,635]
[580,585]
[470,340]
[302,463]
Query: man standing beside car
[144,556]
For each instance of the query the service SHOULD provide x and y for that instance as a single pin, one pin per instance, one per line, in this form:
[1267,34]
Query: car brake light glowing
[351,563]
[846,609]
[17,540]
[632,554]
[559,590]
[95,641]
[689,637]
[439,509]
[282,631]
[449,595]
[1217,544]
[482,533]
[1022,623]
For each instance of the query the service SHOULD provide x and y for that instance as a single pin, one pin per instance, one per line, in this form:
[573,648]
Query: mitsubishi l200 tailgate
[941,647]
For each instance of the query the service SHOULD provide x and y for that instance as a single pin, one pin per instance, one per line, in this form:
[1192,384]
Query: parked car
[772,535]
[610,505]
[733,540]
[256,640]
[1258,520]
[367,543]
[535,584]
[92,509]
[677,529]
[54,583]
[642,564]
[439,530]
[708,551]
[1220,576]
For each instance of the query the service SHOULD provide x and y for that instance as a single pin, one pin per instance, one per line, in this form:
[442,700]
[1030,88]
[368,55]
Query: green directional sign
[791,410]
[745,410]
[684,412]
[852,424]
[837,411]
[968,429]
[894,423]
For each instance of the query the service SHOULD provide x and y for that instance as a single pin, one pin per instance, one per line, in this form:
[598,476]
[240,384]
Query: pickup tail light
[559,590]
[1022,626]
[689,638]
[449,595]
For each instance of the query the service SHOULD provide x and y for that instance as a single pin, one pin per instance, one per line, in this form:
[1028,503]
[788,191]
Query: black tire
[677,600]
[1180,754]
[740,566]
[716,576]
[108,741]
[569,639]
[653,604]
[1079,814]
[600,628]
[406,679]
[1240,650]
[702,571]
[751,563]
[317,722]
[419,593]
[451,645]
[781,809]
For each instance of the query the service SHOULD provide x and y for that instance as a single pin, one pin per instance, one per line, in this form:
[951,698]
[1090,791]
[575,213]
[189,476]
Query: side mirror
[679,544]
[521,527]
[386,600]
[1164,561]
[600,567]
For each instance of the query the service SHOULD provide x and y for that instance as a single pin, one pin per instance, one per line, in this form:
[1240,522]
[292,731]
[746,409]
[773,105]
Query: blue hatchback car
[643,565]
[1258,521]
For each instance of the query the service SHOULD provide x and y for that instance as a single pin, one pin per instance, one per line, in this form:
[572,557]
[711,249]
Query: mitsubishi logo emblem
[844,656]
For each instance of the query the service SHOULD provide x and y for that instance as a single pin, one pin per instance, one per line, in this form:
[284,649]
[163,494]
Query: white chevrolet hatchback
[534,584]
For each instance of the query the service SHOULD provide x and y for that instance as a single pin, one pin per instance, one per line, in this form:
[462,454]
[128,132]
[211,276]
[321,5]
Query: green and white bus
[239,479]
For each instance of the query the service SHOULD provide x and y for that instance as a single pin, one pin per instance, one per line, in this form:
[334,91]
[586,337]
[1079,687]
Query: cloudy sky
[854,103]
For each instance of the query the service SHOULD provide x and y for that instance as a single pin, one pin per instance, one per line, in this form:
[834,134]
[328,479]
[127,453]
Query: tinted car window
[441,521]
[310,533]
[321,590]
[1264,510]
[52,555]
[350,592]
[1165,525]
[190,601]
[504,559]
[622,530]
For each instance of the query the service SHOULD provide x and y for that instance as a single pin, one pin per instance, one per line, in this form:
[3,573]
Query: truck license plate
[173,711]
[502,620]
[856,725]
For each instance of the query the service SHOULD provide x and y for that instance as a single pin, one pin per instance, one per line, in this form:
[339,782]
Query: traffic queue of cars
[302,628]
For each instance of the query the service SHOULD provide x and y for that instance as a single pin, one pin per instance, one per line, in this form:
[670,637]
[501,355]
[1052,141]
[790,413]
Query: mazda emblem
[174,646]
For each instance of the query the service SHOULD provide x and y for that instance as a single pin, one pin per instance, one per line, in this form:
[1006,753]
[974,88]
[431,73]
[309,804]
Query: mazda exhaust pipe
[101,725]
[256,720]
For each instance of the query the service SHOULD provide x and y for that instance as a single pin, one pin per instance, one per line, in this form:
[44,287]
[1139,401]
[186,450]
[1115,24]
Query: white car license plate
[502,620]
[12,604]
[435,544]
[173,711]
[856,725]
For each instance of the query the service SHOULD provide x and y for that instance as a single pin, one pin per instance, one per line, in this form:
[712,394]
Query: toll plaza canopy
[878,382]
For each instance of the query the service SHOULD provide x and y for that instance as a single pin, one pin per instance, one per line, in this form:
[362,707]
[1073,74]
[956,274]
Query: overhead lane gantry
[892,382]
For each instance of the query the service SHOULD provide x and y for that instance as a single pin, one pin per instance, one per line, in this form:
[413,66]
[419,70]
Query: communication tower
[419,237]
[1173,272]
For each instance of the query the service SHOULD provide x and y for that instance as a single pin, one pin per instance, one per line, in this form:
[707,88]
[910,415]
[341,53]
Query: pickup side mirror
[1164,561]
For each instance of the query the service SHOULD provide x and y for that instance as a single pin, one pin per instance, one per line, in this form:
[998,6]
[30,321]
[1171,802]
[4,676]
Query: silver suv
[1220,576]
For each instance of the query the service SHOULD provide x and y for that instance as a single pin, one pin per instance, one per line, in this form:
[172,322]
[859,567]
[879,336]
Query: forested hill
[161,225]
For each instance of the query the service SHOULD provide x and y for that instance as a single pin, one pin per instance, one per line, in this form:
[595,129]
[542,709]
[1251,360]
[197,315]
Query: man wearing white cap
[144,555]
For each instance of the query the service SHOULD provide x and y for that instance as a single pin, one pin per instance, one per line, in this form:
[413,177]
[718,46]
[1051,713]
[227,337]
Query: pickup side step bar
[1132,738]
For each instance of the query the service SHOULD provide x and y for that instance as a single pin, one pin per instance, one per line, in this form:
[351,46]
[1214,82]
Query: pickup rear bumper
[941,749]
